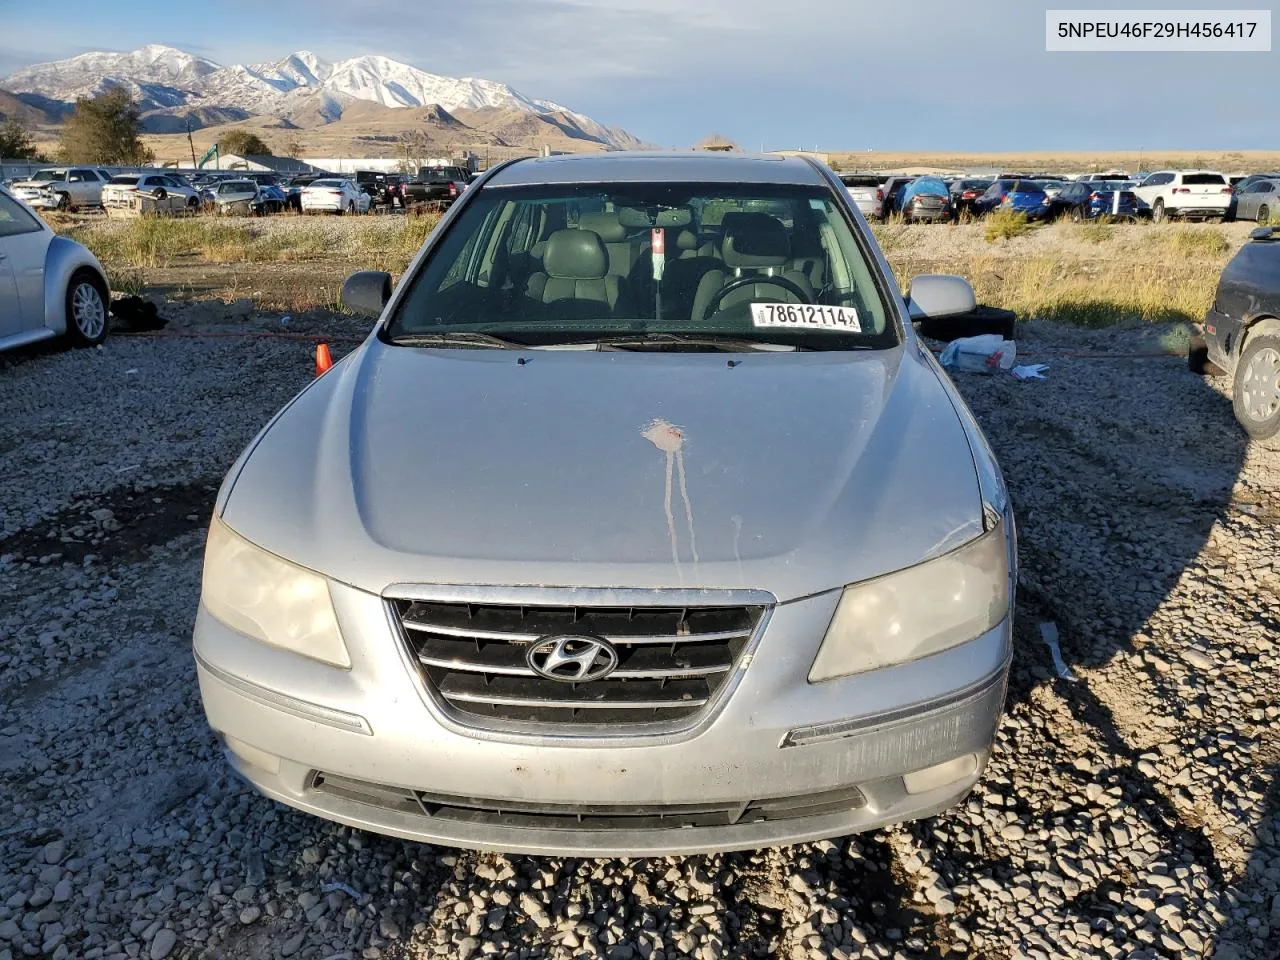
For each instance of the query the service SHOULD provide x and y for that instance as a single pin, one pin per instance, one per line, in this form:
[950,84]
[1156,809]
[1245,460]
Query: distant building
[716,144]
[262,163]
[468,161]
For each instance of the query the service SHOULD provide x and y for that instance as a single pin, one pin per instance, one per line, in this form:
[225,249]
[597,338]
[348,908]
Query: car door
[1247,202]
[1264,199]
[23,244]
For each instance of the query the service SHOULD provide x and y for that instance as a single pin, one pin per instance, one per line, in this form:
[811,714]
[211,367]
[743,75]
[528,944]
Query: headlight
[262,596]
[924,609]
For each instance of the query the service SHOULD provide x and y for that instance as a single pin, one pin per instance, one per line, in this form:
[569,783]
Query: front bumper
[37,200]
[292,727]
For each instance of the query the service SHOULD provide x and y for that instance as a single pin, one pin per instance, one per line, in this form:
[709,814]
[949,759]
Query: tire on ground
[74,333]
[1269,427]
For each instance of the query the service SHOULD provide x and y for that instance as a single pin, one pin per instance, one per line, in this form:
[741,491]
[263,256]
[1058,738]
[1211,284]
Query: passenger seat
[622,250]
[575,267]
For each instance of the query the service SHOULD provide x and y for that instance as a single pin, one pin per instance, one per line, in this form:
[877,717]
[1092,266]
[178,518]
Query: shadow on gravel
[1112,514]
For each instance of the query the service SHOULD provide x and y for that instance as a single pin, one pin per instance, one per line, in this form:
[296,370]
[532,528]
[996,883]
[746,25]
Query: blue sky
[916,75]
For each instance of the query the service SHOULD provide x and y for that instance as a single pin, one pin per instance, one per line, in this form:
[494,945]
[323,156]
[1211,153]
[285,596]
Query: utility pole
[191,143]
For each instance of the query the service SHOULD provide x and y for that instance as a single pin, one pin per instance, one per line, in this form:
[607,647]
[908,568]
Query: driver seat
[755,245]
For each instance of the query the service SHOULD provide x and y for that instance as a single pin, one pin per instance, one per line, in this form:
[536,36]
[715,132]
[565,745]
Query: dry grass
[151,242]
[1092,274]
[1192,242]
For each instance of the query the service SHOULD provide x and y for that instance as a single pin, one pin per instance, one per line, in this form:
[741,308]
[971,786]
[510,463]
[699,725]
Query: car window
[1203,179]
[14,219]
[528,260]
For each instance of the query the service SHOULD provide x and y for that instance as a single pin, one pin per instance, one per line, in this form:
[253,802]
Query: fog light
[939,775]
[252,755]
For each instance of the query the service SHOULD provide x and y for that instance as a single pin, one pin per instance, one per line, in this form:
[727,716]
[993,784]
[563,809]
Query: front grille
[672,661]
[556,816]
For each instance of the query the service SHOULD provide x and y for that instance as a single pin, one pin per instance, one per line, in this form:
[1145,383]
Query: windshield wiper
[726,343]
[459,338]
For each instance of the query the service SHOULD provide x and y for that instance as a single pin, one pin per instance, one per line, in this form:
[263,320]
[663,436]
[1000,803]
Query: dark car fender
[61,260]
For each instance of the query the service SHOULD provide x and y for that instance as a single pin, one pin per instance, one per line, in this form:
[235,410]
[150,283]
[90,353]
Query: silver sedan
[50,286]
[641,524]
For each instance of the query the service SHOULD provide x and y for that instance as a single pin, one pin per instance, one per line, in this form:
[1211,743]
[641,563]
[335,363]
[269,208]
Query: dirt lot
[1131,809]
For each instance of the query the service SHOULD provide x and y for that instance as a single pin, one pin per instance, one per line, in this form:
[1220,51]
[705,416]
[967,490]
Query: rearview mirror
[939,295]
[367,292]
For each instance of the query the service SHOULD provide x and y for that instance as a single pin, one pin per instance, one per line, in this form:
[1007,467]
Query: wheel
[351,206]
[1264,214]
[86,309]
[1157,211]
[1256,392]
[1077,214]
[63,203]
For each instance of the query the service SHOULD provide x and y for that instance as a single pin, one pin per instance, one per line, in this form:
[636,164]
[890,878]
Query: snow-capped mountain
[164,78]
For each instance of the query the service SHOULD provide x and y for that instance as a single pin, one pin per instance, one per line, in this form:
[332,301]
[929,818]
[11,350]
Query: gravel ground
[1131,810]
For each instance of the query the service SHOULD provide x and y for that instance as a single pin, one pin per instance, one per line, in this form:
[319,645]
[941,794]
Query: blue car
[273,199]
[926,198]
[1021,196]
[1102,200]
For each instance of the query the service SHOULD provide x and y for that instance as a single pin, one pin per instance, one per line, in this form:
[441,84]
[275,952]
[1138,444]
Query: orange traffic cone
[324,361]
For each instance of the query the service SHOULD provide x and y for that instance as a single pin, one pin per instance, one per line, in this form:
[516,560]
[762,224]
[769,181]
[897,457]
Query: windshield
[568,263]
[45,176]
[124,181]
[238,186]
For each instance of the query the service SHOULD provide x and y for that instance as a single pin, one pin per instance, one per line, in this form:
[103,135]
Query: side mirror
[367,292]
[939,295]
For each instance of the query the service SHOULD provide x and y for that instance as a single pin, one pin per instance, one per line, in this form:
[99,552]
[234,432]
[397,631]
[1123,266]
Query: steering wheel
[788,285]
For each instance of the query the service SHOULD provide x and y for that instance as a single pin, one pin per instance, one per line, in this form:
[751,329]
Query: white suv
[62,188]
[1194,194]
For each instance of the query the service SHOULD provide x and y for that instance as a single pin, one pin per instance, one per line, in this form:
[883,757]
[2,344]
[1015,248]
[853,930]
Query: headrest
[686,240]
[576,255]
[606,225]
[633,217]
[754,240]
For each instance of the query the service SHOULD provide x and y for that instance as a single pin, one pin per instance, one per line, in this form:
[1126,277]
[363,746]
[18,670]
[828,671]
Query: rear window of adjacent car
[124,180]
[857,181]
[1203,179]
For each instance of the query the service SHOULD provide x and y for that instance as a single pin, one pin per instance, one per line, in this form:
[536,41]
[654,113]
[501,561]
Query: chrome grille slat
[551,694]
[452,631]
[672,660]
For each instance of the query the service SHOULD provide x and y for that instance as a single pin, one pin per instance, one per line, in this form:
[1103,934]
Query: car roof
[644,166]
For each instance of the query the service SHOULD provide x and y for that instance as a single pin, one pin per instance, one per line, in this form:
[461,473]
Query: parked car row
[238,191]
[1186,194]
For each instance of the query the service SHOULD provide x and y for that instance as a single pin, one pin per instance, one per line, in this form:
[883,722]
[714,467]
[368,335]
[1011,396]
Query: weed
[1096,231]
[1004,225]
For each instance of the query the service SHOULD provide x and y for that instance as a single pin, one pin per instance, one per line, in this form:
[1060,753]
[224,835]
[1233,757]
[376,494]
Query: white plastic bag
[982,354]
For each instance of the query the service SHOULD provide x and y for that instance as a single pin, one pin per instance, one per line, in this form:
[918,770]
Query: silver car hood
[792,473]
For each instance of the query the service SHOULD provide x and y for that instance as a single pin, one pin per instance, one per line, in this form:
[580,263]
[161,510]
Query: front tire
[86,303]
[1264,214]
[1256,391]
[1157,211]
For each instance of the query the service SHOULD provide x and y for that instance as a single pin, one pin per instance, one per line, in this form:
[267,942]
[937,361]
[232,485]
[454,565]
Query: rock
[54,851]
[163,944]
[1197,659]
[1013,832]
[250,915]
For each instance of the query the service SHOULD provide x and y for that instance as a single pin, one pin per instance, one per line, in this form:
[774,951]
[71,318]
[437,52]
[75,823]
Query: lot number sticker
[808,316]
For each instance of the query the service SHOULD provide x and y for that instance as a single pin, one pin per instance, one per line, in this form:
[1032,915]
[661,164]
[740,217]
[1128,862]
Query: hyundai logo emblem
[572,659]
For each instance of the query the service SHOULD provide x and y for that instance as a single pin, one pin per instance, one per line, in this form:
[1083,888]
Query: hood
[791,473]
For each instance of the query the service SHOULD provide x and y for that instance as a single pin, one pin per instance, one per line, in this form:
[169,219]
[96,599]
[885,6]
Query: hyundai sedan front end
[641,524]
